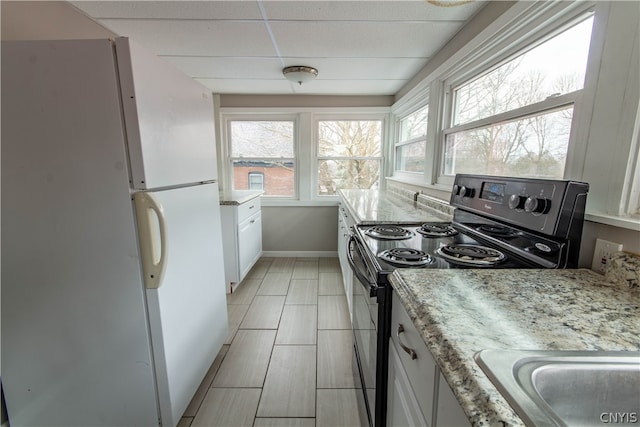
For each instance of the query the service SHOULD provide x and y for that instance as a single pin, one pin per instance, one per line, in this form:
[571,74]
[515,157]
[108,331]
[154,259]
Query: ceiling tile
[247,86]
[350,87]
[188,37]
[225,67]
[360,47]
[361,39]
[362,68]
[413,10]
[238,10]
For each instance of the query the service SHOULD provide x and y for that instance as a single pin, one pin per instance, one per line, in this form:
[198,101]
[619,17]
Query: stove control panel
[542,205]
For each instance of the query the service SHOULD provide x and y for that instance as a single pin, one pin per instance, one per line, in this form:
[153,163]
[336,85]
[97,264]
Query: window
[256,181]
[349,155]
[515,118]
[410,150]
[262,156]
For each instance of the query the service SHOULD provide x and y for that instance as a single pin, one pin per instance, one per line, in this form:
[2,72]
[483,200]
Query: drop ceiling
[240,47]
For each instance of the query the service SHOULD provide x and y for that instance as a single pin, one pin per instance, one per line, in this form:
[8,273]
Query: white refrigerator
[113,294]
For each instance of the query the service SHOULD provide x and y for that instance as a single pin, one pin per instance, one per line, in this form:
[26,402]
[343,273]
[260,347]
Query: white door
[169,121]
[187,312]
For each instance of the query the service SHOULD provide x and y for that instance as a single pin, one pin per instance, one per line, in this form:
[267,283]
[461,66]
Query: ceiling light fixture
[300,73]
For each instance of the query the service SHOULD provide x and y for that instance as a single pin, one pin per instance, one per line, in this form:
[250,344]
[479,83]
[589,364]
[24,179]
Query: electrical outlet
[602,254]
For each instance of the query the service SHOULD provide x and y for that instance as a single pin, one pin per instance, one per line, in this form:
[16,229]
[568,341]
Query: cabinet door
[249,243]
[449,412]
[402,407]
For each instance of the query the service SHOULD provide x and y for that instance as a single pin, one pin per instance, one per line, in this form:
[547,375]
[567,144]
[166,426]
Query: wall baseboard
[300,254]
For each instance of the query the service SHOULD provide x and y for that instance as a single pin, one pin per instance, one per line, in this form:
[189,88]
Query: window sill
[630,223]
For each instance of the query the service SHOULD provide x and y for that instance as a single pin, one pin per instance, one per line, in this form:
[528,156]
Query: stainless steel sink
[567,388]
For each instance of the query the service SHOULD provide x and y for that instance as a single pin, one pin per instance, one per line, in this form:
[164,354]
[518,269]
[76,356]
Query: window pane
[334,175]
[278,176]
[414,125]
[532,147]
[411,157]
[256,181]
[349,138]
[267,139]
[553,68]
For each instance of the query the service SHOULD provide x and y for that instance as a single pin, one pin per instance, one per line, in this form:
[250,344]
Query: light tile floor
[287,358]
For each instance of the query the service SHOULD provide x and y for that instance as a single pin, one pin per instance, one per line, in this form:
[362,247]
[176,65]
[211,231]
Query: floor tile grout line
[295,259]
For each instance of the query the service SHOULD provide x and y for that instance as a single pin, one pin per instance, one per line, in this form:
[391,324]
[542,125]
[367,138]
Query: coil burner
[437,229]
[471,255]
[406,257]
[389,232]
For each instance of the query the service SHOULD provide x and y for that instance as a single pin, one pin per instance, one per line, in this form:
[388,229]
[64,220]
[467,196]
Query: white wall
[296,230]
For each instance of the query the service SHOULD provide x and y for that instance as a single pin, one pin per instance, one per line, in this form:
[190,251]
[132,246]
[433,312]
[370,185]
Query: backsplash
[425,201]
[624,269]
[403,193]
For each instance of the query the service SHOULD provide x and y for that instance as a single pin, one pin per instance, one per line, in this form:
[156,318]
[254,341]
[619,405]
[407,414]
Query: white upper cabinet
[165,112]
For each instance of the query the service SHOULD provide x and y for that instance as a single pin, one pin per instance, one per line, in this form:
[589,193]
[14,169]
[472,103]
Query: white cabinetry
[345,222]
[418,393]
[242,239]
[449,412]
[403,409]
[415,359]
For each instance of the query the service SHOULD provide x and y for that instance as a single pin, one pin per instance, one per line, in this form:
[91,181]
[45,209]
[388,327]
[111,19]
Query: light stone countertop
[238,197]
[459,312]
[375,206]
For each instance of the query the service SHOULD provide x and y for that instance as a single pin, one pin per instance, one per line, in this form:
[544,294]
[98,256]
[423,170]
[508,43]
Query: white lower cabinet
[418,393]
[402,407]
[241,239]
[344,223]
[449,413]
[249,243]
[415,359]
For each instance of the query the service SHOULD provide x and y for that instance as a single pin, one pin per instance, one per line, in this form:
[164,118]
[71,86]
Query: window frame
[257,174]
[304,145]
[420,99]
[412,141]
[534,36]
[228,168]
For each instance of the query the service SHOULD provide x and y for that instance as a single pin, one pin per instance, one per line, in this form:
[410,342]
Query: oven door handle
[359,274]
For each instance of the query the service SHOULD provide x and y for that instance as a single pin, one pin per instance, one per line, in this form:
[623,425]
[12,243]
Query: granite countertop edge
[479,398]
[238,197]
[371,207]
[466,383]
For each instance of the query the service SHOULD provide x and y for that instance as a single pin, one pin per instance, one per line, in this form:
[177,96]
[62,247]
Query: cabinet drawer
[421,370]
[248,209]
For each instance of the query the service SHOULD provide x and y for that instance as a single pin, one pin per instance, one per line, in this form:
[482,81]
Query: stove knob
[535,205]
[466,192]
[456,189]
[516,201]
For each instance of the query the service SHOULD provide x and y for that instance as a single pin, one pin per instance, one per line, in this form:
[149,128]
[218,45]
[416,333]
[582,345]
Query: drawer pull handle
[252,221]
[411,352]
[251,207]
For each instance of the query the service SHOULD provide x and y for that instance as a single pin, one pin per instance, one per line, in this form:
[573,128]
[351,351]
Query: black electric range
[498,223]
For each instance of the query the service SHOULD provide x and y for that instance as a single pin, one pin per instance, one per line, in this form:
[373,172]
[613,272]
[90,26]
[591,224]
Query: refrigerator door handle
[153,263]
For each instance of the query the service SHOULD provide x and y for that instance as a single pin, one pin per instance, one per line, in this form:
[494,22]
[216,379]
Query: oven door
[365,329]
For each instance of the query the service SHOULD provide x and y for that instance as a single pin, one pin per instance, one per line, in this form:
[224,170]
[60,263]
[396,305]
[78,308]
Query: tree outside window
[516,119]
[349,155]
